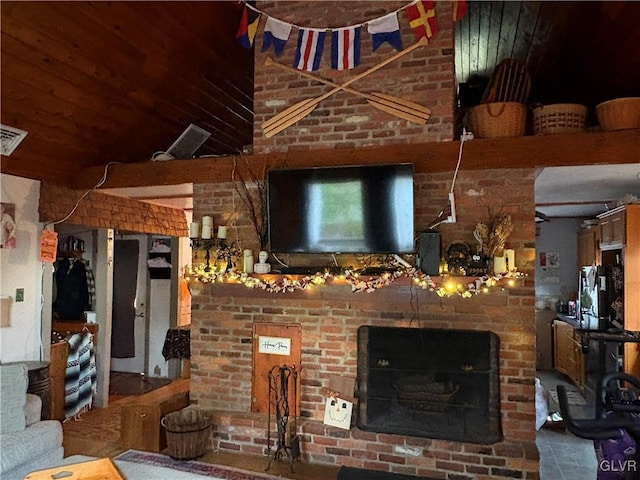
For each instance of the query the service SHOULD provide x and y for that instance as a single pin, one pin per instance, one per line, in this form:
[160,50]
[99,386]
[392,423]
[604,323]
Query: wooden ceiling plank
[461,31]
[26,42]
[540,34]
[492,59]
[61,80]
[67,22]
[590,148]
[525,30]
[472,47]
[508,26]
[484,18]
[78,98]
[191,28]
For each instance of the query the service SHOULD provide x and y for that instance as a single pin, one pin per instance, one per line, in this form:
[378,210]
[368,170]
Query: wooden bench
[140,427]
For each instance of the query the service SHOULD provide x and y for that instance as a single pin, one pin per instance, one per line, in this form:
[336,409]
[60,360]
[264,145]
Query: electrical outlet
[452,203]
[19,294]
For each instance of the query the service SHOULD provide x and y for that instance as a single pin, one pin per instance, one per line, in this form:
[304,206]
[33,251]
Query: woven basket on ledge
[619,114]
[559,118]
[498,119]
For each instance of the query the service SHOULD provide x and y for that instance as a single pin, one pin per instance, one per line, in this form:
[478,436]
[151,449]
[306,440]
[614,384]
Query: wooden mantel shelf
[336,287]
[537,151]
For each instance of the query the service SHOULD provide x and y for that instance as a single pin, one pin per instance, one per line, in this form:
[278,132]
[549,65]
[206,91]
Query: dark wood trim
[588,148]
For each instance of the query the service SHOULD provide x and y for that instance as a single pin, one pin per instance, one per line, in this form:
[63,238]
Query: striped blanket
[80,375]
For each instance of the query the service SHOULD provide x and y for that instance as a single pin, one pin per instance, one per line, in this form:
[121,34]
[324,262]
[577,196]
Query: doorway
[128,332]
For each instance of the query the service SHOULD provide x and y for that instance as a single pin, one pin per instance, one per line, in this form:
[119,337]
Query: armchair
[26,442]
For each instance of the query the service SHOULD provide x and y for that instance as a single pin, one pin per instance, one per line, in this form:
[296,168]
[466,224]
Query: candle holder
[223,251]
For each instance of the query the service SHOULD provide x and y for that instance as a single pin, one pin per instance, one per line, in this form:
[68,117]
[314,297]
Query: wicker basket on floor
[619,114]
[188,433]
[559,118]
[498,119]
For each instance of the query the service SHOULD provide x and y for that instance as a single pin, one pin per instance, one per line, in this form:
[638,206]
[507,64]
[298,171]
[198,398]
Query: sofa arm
[33,409]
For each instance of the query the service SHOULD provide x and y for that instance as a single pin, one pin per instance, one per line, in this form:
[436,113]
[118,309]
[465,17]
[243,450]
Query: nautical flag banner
[459,9]
[276,33]
[345,48]
[422,18]
[248,27]
[385,29]
[309,50]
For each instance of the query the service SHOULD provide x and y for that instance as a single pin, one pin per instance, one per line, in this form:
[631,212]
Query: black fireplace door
[429,383]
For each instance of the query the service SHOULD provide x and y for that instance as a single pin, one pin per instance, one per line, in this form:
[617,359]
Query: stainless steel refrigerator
[593,298]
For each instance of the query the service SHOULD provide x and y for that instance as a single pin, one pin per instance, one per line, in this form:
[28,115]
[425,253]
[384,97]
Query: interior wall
[557,243]
[20,268]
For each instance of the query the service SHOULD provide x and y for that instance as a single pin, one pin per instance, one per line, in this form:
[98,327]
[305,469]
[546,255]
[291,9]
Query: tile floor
[563,456]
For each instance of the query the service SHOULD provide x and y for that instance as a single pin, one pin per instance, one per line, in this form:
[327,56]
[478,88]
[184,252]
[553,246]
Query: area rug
[573,396]
[210,470]
[350,473]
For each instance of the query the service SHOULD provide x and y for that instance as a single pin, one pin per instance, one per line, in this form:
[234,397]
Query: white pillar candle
[510,255]
[207,231]
[194,230]
[499,265]
[222,232]
[248,261]
[207,221]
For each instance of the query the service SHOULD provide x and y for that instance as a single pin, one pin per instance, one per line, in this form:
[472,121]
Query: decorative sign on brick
[274,345]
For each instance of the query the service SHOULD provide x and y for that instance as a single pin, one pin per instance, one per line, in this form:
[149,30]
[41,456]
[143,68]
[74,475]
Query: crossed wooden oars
[396,106]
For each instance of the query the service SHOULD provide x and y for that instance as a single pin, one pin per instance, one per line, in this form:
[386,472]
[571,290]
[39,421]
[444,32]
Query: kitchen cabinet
[612,229]
[569,358]
[620,230]
[544,335]
[588,241]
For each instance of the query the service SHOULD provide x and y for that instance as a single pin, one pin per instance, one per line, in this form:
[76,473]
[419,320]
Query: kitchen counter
[570,319]
[621,336]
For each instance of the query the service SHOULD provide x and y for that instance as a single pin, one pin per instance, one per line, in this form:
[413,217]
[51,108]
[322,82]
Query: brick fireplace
[223,315]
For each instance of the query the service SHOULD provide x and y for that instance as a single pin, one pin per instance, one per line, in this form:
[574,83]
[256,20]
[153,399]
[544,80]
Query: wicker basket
[559,118]
[420,394]
[187,433]
[498,119]
[619,114]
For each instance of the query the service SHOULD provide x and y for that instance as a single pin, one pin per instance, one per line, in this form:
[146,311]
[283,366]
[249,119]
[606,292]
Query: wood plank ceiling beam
[589,148]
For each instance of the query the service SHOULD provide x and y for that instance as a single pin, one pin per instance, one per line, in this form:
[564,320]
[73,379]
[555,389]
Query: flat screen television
[354,209]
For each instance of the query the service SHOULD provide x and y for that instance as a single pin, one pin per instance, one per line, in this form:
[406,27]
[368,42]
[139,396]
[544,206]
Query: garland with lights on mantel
[449,285]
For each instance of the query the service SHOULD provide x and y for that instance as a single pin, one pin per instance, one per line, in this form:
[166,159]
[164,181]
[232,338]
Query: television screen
[356,209]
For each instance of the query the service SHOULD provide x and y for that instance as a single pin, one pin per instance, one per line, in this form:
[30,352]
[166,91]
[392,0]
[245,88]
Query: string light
[198,275]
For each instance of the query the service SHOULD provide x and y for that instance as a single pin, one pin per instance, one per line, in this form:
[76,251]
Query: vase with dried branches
[251,187]
[492,234]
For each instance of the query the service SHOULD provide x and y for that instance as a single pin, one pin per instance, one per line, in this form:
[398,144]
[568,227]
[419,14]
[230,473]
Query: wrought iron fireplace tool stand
[288,442]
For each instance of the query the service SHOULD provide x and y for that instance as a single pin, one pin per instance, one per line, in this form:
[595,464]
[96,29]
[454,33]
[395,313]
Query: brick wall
[223,315]
[99,210]
[424,76]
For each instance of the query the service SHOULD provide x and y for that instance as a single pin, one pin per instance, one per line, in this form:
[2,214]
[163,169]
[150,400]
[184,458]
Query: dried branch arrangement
[492,234]
[252,191]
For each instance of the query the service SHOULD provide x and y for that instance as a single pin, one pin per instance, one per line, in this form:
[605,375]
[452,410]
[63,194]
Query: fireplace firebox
[429,383]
